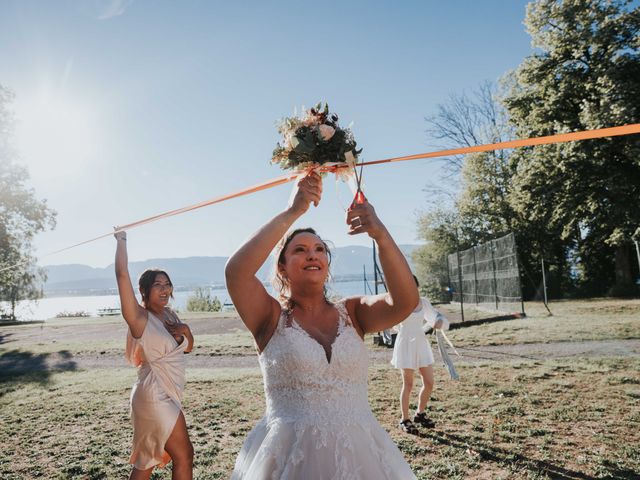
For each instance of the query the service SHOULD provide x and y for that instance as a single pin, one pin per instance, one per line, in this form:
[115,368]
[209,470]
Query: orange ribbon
[528,142]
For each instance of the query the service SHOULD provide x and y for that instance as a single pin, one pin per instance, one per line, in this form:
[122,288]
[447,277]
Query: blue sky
[130,108]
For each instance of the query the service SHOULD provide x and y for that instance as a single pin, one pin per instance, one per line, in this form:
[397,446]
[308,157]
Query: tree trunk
[624,280]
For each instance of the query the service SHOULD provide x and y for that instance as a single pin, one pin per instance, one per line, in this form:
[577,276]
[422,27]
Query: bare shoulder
[351,304]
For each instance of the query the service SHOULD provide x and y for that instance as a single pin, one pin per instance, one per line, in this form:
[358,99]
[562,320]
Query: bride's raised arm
[259,310]
[376,313]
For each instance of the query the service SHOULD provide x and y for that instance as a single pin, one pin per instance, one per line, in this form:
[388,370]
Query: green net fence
[487,276]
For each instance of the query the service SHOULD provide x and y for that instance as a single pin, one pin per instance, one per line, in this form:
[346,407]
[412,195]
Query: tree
[479,210]
[585,74]
[484,179]
[22,216]
[483,205]
[439,229]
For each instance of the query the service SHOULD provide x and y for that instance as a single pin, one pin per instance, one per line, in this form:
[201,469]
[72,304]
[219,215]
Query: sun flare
[54,134]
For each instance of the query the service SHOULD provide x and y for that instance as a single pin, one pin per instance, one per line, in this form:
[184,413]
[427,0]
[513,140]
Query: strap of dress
[345,319]
[282,319]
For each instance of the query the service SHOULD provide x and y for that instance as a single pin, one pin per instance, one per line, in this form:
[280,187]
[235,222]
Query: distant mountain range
[190,272]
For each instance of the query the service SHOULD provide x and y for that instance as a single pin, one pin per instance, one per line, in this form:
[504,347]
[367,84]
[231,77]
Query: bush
[201,301]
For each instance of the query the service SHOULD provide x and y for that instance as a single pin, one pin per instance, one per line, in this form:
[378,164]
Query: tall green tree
[480,210]
[463,120]
[584,74]
[439,228]
[483,207]
[22,216]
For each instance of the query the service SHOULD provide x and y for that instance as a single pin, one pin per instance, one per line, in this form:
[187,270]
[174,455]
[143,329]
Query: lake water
[49,307]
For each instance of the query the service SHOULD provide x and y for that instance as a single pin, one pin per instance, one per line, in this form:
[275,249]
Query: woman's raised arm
[376,313]
[134,314]
[259,310]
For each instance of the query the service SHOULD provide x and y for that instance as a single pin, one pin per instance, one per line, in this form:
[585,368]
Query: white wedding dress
[318,423]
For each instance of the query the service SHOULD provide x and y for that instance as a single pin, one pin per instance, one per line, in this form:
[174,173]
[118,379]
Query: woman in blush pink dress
[156,343]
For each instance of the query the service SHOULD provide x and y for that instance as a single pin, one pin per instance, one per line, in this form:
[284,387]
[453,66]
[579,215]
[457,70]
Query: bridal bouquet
[314,139]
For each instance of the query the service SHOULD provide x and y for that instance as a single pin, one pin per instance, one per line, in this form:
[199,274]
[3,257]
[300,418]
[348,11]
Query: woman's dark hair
[281,284]
[146,281]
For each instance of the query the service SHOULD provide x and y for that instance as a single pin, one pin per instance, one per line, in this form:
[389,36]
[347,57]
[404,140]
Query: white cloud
[107,9]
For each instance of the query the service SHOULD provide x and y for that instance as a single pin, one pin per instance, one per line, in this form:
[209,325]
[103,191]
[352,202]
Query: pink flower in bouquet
[326,132]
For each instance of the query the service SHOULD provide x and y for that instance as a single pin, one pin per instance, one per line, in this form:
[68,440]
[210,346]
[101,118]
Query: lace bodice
[302,386]
[317,424]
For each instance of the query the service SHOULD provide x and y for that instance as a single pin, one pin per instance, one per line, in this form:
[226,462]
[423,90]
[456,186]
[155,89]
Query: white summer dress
[412,349]
[318,424]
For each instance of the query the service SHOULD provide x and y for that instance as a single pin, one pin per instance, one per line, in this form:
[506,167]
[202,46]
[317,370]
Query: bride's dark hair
[280,283]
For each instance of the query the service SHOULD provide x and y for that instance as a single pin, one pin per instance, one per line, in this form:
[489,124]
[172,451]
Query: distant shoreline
[178,288]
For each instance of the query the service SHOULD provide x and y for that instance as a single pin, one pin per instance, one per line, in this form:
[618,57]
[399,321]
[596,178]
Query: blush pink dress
[156,397]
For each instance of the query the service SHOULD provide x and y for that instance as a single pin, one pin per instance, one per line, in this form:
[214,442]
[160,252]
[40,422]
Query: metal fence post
[375,270]
[449,278]
[495,279]
[518,271]
[475,276]
[460,287]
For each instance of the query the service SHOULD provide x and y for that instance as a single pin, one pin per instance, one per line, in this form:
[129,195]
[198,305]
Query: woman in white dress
[318,423]
[412,351]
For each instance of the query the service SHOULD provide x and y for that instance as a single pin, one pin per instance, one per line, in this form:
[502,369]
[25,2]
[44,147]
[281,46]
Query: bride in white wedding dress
[318,423]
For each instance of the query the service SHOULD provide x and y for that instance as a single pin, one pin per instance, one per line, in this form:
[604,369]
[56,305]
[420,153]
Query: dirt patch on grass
[15,363]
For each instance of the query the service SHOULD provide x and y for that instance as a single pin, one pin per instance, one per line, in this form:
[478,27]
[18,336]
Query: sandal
[423,420]
[408,426]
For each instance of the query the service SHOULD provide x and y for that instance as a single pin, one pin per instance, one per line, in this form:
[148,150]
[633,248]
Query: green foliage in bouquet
[314,139]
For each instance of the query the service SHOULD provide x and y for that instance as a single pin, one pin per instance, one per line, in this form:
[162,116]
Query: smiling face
[304,261]
[156,289]
[161,290]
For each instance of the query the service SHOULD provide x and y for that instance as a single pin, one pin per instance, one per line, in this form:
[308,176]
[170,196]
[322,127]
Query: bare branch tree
[466,120]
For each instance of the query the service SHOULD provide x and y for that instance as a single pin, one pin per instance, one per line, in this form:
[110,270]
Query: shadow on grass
[4,337]
[482,321]
[10,323]
[509,458]
[19,367]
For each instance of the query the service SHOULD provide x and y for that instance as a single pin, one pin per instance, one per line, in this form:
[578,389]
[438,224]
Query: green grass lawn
[512,420]
[569,418]
[600,319]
